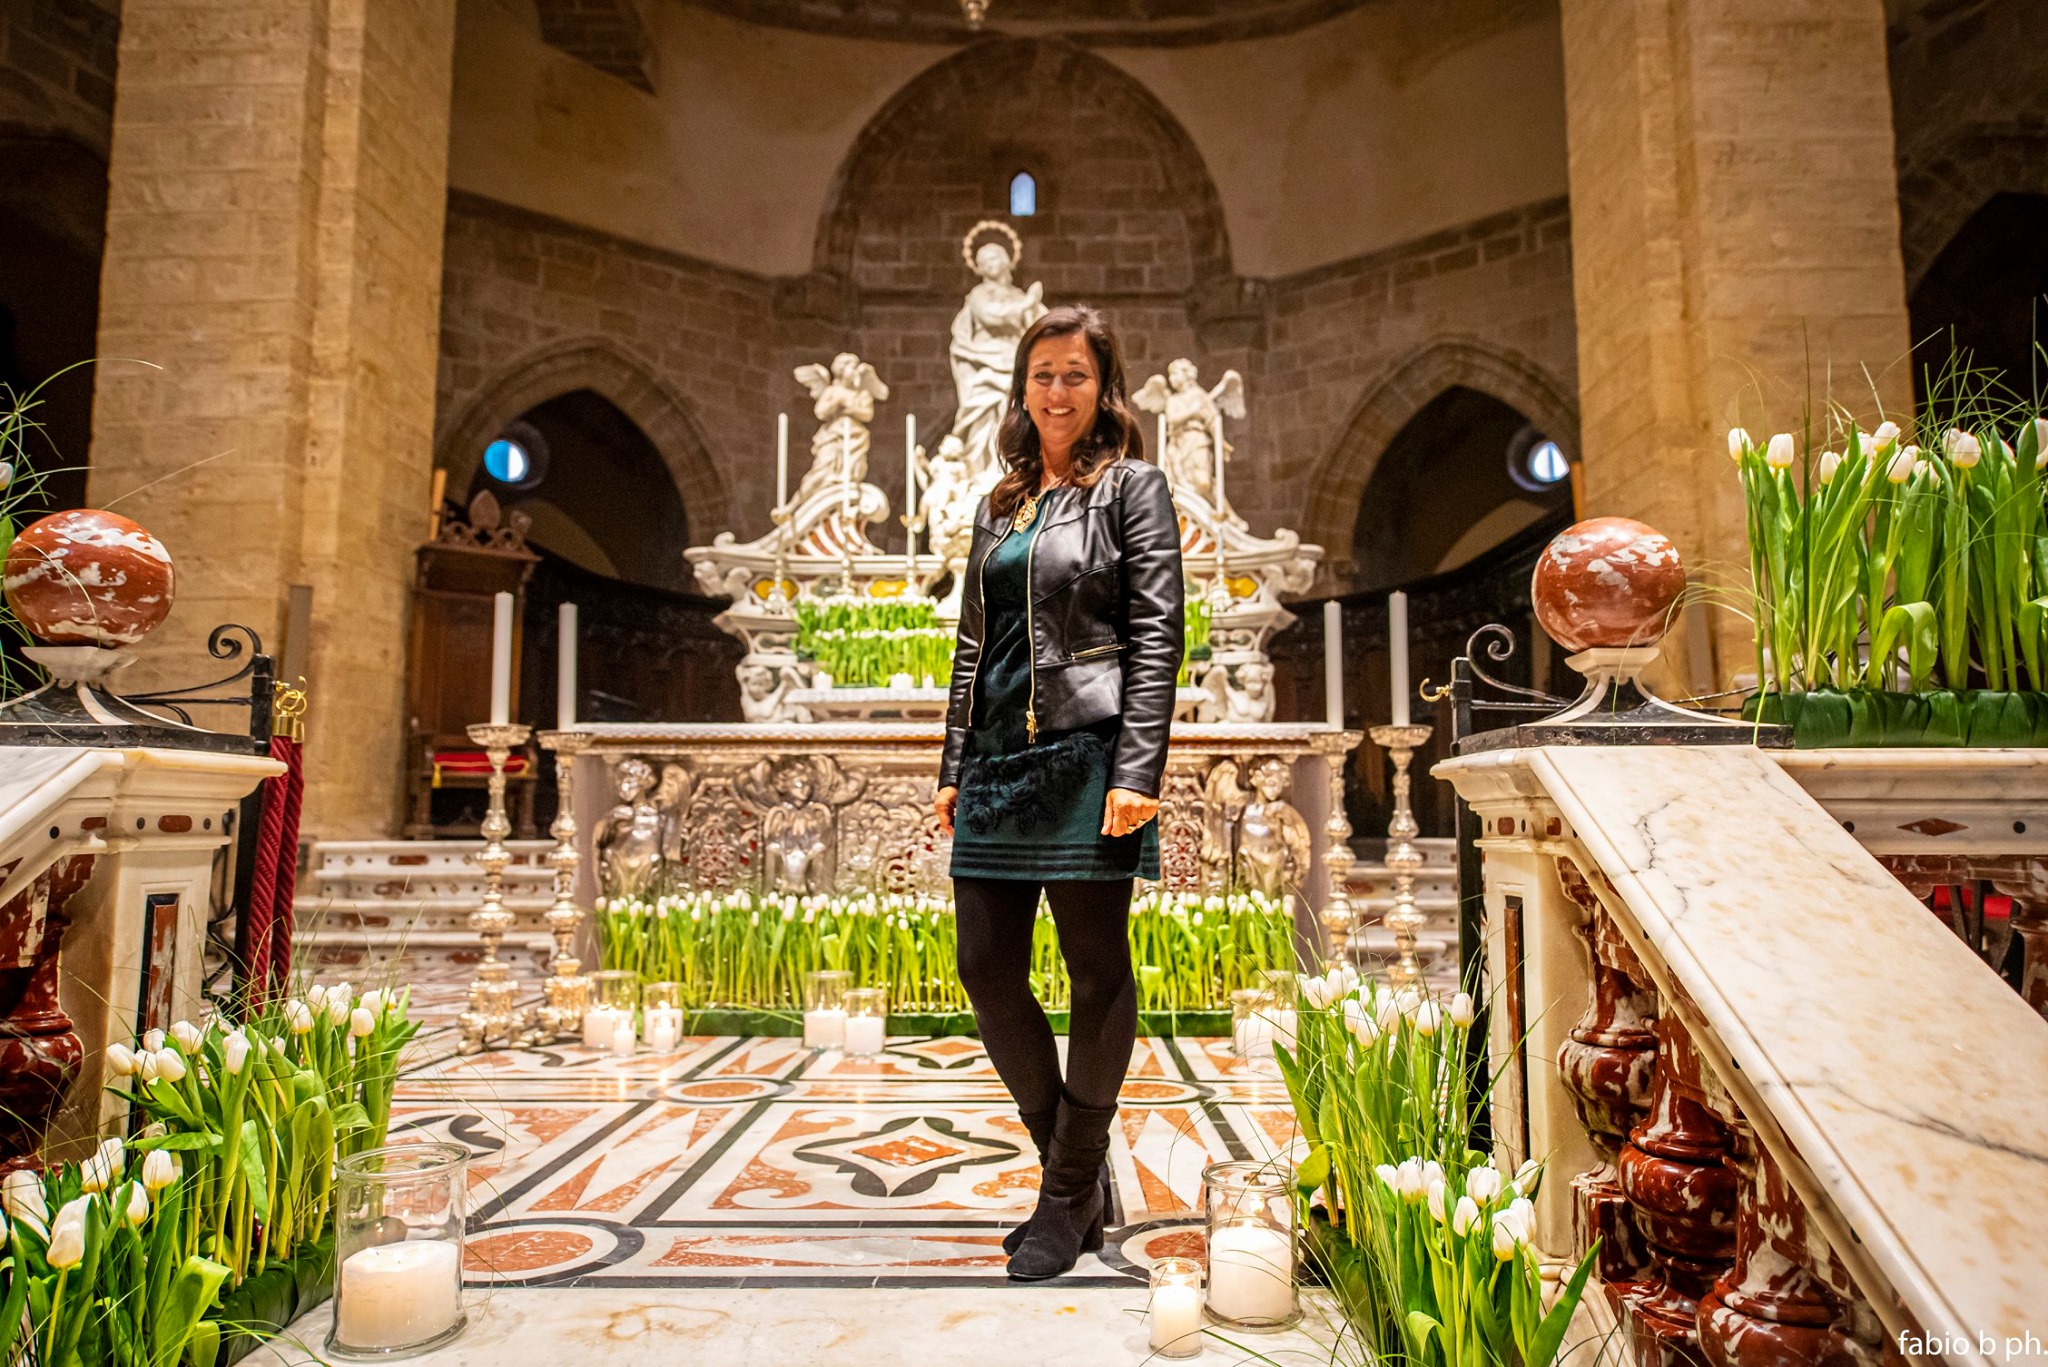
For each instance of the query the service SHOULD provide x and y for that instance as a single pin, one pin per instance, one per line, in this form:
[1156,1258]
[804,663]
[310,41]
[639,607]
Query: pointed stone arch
[605,368]
[1396,394]
[997,64]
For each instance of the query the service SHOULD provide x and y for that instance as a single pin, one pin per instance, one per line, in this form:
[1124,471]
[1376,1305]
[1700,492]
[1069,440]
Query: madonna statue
[984,348]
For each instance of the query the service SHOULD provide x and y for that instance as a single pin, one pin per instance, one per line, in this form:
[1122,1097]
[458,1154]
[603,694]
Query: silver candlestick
[493,996]
[567,986]
[1404,861]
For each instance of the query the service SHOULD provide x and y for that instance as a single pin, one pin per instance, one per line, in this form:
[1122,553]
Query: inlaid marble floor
[731,1164]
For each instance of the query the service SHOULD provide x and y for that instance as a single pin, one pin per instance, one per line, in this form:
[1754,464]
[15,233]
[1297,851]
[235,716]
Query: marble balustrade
[1800,1115]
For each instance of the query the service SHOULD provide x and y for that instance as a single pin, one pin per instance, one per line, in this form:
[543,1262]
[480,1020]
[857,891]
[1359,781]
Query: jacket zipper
[981,597]
[1030,641]
[1093,651]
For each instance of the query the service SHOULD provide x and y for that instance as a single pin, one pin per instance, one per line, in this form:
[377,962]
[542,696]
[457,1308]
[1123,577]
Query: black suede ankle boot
[1039,1125]
[1071,1196]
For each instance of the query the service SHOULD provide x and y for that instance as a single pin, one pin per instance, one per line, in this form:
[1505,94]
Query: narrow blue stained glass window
[1023,195]
[1547,464]
[507,461]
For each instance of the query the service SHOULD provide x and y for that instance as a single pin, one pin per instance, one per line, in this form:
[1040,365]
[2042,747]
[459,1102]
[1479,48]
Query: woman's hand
[943,804]
[1126,811]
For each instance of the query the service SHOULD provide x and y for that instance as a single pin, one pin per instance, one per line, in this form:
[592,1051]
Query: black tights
[995,917]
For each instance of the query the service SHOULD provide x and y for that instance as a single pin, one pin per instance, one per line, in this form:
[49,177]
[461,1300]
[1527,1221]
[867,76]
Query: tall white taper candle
[1397,653]
[910,494]
[565,667]
[781,459]
[1333,663]
[1160,454]
[1219,466]
[501,659]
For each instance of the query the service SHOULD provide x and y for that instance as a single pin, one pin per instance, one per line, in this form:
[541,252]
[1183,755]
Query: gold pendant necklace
[1027,511]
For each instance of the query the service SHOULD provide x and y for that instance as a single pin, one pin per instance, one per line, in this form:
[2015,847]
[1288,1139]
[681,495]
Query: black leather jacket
[1106,621]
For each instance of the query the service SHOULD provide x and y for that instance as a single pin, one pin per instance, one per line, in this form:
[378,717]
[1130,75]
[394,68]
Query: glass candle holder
[617,988]
[661,1009]
[1176,1309]
[867,1015]
[398,1216]
[662,996]
[825,1008]
[1247,1024]
[1249,1210]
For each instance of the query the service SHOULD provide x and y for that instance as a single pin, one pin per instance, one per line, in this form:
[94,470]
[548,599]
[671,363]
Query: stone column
[1735,250]
[277,184]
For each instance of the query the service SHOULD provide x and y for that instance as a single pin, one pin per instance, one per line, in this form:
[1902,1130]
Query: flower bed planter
[266,1305]
[1982,718]
[739,1021]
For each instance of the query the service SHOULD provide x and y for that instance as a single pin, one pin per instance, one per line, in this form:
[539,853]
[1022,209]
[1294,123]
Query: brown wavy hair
[1117,431]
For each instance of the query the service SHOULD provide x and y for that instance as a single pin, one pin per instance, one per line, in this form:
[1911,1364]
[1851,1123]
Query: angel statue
[844,403]
[766,681]
[984,348]
[644,829]
[1272,838]
[795,797]
[1193,423]
[1247,697]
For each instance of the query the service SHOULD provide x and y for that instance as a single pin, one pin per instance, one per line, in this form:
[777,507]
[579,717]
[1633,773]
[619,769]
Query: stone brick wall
[57,60]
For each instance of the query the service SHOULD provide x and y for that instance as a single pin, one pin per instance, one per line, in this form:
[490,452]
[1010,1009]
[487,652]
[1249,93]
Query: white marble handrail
[1898,1080]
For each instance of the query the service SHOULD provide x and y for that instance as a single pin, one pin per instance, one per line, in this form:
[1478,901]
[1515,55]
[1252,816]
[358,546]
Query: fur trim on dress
[1030,788]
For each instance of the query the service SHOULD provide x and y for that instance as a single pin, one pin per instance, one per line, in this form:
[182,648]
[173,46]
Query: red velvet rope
[259,915]
[293,755]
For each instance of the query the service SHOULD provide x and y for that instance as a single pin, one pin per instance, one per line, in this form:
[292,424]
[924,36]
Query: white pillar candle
[863,1034]
[397,1295]
[661,1033]
[910,493]
[1251,1273]
[598,1023]
[1397,653]
[565,668]
[781,459]
[825,1028]
[624,1039]
[1333,664]
[1176,1319]
[501,659]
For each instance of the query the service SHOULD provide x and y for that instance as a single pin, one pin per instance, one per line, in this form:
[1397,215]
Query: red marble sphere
[88,578]
[1607,581]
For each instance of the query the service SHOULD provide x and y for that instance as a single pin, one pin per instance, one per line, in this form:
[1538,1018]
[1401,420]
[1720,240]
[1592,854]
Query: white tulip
[1390,1175]
[339,1005]
[2041,443]
[188,1036]
[1429,1017]
[1738,442]
[1504,1241]
[159,1169]
[1527,1176]
[6,473]
[1362,1026]
[1436,1200]
[1347,976]
[21,1196]
[361,1023]
[145,1067]
[277,1044]
[373,1001]
[1466,1217]
[1830,462]
[1887,432]
[169,1066]
[1781,452]
[298,1016]
[1511,1229]
[67,1236]
[1964,450]
[1901,468]
[138,1204]
[121,1060]
[153,1041]
[237,1053]
[1463,1012]
[1387,1012]
[1483,1185]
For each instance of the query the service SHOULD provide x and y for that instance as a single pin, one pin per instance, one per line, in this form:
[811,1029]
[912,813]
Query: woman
[1063,690]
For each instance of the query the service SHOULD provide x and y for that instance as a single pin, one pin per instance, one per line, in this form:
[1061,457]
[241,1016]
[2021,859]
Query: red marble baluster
[1674,1172]
[1773,1308]
[1606,1062]
[40,1054]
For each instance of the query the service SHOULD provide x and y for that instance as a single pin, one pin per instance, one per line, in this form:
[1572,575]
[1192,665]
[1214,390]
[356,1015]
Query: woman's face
[1062,390]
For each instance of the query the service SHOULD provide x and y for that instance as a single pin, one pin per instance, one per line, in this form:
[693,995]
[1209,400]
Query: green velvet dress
[1033,811]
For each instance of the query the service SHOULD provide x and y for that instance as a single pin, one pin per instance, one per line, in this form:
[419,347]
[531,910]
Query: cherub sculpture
[1256,838]
[1247,697]
[844,398]
[765,685]
[795,797]
[643,831]
[1193,423]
